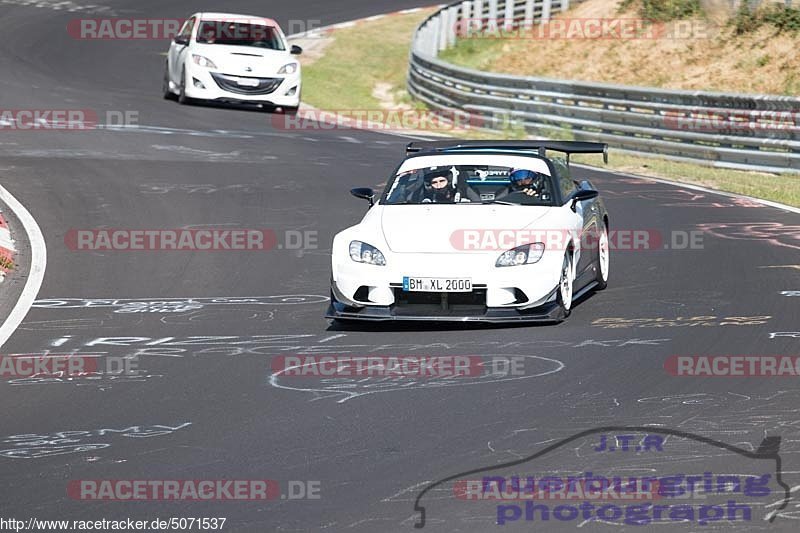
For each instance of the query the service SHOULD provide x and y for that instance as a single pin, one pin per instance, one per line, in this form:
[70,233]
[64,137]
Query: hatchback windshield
[470,184]
[239,34]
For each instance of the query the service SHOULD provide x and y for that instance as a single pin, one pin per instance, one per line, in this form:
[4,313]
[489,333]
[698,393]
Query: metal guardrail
[749,132]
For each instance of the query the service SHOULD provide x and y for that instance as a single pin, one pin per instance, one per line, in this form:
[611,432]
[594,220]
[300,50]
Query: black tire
[602,271]
[168,95]
[565,303]
[182,98]
[290,111]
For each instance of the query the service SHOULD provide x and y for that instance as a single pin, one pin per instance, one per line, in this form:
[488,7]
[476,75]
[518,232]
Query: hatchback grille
[229,83]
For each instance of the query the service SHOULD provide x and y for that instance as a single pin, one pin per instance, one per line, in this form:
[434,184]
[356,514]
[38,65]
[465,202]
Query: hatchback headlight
[291,68]
[361,252]
[203,61]
[521,255]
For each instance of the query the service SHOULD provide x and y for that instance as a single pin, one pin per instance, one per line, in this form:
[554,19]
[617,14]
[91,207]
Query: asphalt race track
[204,405]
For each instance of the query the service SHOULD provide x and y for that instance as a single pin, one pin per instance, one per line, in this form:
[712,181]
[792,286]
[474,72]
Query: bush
[782,18]
[664,10]
[745,20]
[785,19]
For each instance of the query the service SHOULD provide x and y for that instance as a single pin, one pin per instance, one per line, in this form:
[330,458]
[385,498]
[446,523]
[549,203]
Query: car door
[177,50]
[581,220]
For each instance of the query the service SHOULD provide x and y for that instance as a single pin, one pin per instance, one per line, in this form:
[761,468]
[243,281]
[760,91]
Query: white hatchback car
[235,59]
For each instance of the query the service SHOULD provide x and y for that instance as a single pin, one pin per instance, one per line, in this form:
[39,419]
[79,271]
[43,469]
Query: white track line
[38,265]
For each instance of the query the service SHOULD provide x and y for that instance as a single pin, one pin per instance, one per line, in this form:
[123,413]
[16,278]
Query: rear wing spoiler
[541,147]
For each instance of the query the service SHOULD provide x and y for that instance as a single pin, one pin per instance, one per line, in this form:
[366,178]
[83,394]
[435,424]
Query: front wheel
[168,94]
[565,281]
[182,98]
[603,259]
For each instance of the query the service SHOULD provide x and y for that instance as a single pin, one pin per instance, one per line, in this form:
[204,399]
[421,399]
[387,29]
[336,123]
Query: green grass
[377,52]
[784,188]
[359,58]
[473,53]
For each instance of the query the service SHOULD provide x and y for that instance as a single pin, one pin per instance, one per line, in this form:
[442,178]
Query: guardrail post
[529,13]
[477,13]
[492,22]
[547,5]
[464,24]
[441,31]
[452,20]
[429,41]
[508,15]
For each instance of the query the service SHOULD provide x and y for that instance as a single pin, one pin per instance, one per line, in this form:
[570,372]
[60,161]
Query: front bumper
[215,86]
[549,312]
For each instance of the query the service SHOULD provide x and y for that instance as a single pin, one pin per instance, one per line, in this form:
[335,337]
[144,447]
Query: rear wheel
[565,281]
[603,259]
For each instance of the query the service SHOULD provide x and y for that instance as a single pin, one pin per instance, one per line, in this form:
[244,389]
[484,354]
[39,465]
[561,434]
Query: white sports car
[474,231]
[233,58]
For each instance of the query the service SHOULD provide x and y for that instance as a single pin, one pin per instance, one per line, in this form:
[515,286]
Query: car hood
[435,228]
[237,59]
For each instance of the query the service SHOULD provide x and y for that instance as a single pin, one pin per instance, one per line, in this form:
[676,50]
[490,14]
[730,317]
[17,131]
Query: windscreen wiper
[501,202]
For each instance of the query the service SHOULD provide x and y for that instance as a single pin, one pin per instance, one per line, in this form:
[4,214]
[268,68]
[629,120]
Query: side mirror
[365,193]
[181,40]
[583,195]
[295,50]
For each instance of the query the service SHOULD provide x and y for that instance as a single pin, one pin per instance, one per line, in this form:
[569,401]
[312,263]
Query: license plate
[245,82]
[411,284]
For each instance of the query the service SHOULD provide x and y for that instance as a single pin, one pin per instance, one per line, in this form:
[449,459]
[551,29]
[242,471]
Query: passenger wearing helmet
[439,188]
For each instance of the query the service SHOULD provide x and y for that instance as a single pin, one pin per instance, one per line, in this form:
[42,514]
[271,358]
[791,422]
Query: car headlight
[203,61]
[361,252]
[521,255]
[291,68]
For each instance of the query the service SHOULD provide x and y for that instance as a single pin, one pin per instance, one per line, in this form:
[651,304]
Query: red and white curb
[7,248]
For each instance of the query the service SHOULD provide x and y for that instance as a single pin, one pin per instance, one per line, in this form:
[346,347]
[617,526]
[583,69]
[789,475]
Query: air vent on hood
[248,55]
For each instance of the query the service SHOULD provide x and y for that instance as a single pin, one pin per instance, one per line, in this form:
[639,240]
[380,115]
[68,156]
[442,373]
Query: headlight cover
[526,254]
[203,61]
[361,252]
[291,68]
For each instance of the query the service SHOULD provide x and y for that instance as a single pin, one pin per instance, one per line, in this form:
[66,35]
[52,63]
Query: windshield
[469,184]
[240,34]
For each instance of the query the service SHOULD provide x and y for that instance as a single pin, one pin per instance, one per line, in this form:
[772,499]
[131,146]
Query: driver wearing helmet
[525,181]
[439,188]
